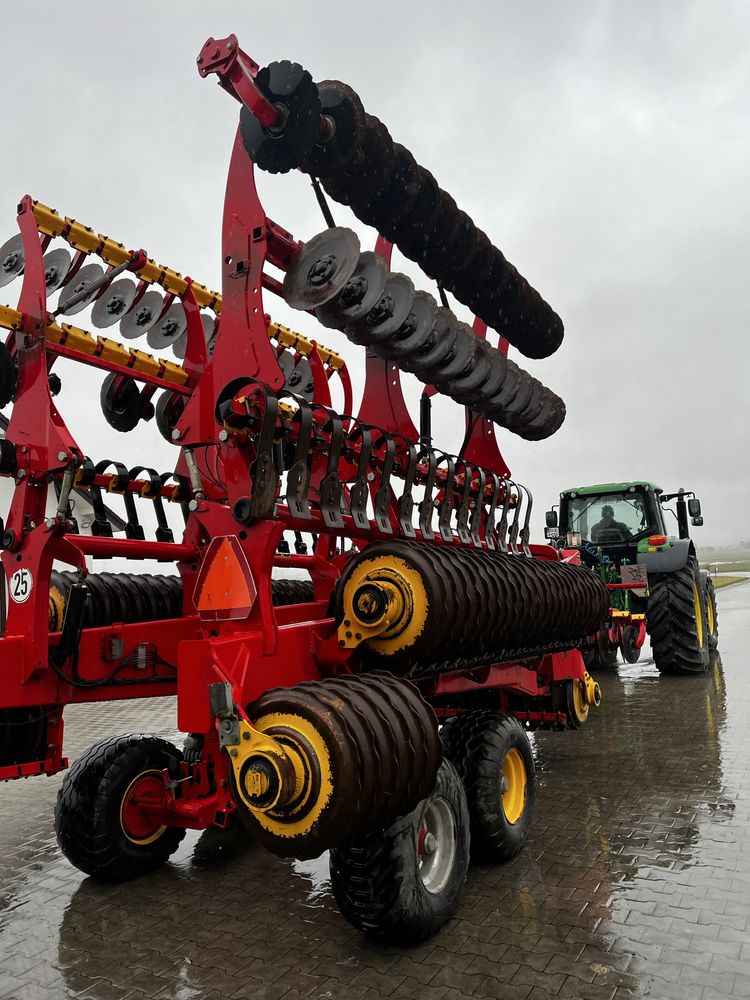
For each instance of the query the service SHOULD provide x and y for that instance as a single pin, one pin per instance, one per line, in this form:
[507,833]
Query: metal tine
[475,523]
[330,489]
[406,500]
[263,470]
[462,517]
[446,507]
[489,522]
[298,475]
[360,491]
[502,528]
[427,503]
[526,530]
[384,493]
[515,526]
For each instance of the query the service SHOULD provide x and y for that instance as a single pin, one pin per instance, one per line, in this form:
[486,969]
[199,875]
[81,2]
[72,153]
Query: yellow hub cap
[698,615]
[514,786]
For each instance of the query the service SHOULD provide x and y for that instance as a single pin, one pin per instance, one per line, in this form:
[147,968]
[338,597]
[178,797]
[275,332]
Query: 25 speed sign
[20,586]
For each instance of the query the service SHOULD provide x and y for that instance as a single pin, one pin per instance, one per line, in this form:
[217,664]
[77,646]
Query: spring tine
[330,485]
[446,507]
[163,532]
[513,534]
[502,528]
[427,504]
[526,530]
[298,476]
[475,524]
[406,501]
[265,478]
[133,527]
[384,494]
[462,518]
[489,523]
[360,491]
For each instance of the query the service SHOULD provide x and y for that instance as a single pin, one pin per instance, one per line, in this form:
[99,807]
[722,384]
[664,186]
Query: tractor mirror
[550,518]
[694,507]
[697,522]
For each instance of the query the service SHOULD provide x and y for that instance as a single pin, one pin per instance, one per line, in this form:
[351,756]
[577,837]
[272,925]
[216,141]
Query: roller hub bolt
[370,604]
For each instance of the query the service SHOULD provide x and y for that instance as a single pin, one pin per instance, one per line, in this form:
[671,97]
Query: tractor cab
[611,517]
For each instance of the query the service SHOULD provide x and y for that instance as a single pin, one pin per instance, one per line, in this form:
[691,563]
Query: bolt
[505,784]
[21,474]
[62,456]
[233,752]
[223,435]
[193,505]
[50,522]
[176,434]
[430,844]
[246,735]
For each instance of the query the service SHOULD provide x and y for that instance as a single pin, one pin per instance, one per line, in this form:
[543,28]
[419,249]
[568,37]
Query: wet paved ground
[635,881]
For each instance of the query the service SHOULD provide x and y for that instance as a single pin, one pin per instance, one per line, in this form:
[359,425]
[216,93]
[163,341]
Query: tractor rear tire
[89,814]
[712,614]
[676,621]
[404,883]
[493,757]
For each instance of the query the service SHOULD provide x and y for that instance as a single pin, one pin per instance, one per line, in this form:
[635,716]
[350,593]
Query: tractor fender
[667,560]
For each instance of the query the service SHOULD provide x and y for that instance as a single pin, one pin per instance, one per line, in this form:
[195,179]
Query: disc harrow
[337,585]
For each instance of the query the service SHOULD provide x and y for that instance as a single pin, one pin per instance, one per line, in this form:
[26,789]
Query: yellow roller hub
[514,786]
[580,701]
[698,614]
[385,604]
[314,785]
[56,609]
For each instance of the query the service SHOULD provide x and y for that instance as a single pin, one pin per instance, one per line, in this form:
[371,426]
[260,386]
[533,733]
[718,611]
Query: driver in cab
[608,524]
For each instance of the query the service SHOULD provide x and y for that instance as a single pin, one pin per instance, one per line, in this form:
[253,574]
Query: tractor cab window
[612,518]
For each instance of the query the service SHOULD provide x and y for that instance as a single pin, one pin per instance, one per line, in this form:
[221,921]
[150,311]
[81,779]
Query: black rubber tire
[87,811]
[711,612]
[605,660]
[673,624]
[628,650]
[376,880]
[477,743]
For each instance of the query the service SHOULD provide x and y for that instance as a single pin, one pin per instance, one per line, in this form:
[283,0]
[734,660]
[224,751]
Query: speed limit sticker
[21,583]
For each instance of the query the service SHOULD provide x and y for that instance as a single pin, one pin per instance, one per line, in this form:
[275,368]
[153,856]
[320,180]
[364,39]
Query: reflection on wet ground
[635,881]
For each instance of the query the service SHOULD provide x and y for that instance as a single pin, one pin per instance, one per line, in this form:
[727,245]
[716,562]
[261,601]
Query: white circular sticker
[20,586]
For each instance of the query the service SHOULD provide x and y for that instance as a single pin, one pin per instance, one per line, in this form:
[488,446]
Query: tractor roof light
[225,588]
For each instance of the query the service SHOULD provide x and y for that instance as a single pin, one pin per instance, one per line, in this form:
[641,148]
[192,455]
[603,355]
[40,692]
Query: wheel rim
[436,845]
[698,615]
[710,614]
[514,786]
[138,827]
[580,706]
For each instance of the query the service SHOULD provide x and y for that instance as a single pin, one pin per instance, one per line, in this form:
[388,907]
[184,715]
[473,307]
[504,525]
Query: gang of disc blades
[180,345]
[387,315]
[110,307]
[359,295]
[85,277]
[301,380]
[414,332]
[321,269]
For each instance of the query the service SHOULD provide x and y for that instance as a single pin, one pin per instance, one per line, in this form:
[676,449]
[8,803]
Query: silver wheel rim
[436,845]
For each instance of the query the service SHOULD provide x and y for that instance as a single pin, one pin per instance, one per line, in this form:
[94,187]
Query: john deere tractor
[620,532]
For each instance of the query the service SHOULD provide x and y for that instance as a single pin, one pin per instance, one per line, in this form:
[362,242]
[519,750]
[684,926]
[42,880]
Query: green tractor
[655,583]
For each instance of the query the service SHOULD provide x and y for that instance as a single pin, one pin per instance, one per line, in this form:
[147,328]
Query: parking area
[635,881]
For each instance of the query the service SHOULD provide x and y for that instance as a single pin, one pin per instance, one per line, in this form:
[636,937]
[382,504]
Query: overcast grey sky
[602,145]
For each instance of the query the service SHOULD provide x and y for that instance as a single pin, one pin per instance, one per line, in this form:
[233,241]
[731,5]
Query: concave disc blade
[169,329]
[180,345]
[11,260]
[114,303]
[56,267]
[85,277]
[321,268]
[142,317]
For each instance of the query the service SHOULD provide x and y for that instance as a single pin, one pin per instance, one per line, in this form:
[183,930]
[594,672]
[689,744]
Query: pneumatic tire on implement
[404,883]
[492,755]
[676,621]
[98,826]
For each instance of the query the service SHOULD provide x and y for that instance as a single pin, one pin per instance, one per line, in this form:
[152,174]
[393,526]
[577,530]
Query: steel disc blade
[114,303]
[359,295]
[388,314]
[180,345]
[86,276]
[56,267]
[322,268]
[286,364]
[142,317]
[301,380]
[11,260]
[169,329]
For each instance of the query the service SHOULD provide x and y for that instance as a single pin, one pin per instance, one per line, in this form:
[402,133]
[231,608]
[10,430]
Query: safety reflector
[657,540]
[225,589]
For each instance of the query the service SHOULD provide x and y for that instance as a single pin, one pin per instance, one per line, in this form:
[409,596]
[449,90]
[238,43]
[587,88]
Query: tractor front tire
[93,809]
[404,883]
[676,621]
[493,757]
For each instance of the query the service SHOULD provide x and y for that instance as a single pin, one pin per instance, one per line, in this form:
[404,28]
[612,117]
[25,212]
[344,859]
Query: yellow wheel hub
[698,614]
[580,702]
[308,752]
[514,786]
[385,605]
